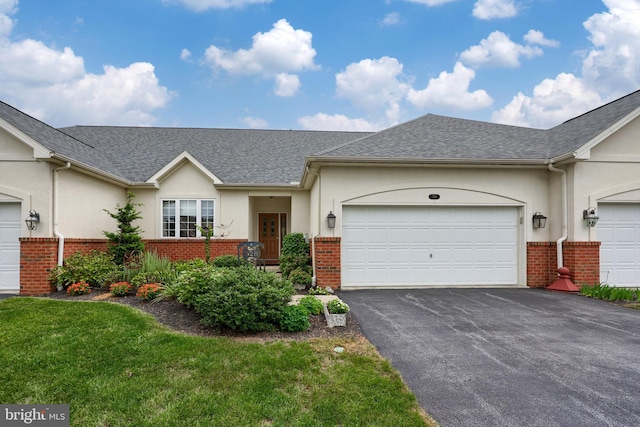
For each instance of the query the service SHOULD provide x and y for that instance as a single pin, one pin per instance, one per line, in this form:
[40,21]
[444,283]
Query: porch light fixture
[331,220]
[539,220]
[590,216]
[32,220]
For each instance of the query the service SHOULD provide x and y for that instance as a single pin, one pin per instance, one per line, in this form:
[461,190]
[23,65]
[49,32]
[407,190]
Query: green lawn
[116,366]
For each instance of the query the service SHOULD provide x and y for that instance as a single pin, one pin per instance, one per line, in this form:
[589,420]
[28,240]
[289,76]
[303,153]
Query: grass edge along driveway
[117,366]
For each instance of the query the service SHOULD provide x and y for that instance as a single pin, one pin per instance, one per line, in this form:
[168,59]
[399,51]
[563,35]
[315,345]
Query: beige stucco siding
[82,200]
[524,187]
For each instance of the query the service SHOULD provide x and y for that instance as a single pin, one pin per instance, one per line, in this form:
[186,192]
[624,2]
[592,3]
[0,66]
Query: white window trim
[177,223]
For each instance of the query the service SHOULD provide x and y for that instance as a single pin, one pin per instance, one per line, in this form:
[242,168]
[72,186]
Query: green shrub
[337,306]
[317,290]
[622,294]
[226,261]
[244,298]
[295,318]
[294,254]
[128,238]
[312,304]
[120,289]
[149,267]
[192,282]
[301,277]
[95,268]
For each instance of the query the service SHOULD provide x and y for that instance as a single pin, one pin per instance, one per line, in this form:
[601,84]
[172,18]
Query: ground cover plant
[117,366]
[610,293]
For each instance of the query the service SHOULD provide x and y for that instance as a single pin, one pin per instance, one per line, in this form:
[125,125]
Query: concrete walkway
[508,357]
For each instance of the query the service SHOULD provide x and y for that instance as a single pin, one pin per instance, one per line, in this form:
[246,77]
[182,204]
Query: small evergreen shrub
[294,254]
[245,299]
[226,261]
[301,277]
[128,238]
[295,318]
[312,304]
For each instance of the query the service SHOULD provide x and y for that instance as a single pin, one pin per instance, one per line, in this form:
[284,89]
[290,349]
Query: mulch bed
[179,318]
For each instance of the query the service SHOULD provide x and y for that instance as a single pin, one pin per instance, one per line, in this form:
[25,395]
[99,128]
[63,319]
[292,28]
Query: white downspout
[565,214]
[55,212]
[313,236]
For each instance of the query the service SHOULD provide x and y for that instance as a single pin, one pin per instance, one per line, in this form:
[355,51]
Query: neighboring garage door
[389,246]
[10,247]
[619,234]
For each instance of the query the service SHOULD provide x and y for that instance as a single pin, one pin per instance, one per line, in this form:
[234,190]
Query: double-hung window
[180,217]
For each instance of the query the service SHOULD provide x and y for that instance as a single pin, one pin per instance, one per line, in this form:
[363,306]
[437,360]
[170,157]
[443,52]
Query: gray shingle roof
[242,156]
[236,156]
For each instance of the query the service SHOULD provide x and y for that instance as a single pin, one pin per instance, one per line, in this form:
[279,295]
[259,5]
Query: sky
[360,65]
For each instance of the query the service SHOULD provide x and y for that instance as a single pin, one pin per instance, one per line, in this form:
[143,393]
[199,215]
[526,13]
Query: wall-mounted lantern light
[331,220]
[590,216]
[539,220]
[32,220]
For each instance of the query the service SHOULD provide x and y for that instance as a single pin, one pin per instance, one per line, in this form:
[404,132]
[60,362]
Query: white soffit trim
[176,162]
[39,151]
[584,152]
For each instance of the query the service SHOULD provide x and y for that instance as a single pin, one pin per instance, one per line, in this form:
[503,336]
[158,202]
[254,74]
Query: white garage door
[619,234]
[10,247]
[429,246]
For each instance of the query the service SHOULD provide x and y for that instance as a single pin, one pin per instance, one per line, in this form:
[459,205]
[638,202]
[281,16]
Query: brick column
[542,264]
[327,261]
[581,258]
[38,255]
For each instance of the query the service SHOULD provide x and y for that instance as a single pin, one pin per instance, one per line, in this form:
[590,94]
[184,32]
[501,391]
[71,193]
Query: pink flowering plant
[79,288]
[120,289]
[149,291]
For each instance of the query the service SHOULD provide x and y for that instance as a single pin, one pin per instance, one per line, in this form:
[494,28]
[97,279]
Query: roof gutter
[565,213]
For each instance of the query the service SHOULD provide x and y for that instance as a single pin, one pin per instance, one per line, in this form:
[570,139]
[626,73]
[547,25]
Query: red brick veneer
[327,260]
[581,258]
[39,255]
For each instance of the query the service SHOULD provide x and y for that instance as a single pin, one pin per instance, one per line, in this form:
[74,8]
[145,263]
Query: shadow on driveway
[508,357]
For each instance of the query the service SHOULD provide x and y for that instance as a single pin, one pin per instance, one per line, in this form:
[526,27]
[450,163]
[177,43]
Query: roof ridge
[597,108]
[211,128]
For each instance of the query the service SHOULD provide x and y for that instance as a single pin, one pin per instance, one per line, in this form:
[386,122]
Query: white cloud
[489,9]
[255,122]
[613,65]
[337,122]
[451,90]
[537,37]
[7,8]
[54,86]
[286,84]
[282,49]
[553,101]
[498,50]
[390,19]
[202,5]
[610,69]
[372,84]
[431,2]
[185,55]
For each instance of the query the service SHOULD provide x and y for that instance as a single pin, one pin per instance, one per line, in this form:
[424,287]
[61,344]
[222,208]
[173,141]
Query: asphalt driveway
[508,357]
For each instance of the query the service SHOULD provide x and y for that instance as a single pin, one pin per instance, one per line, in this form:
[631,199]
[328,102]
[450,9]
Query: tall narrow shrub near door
[127,239]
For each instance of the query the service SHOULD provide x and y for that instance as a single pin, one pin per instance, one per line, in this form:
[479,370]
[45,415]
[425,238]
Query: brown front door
[272,228]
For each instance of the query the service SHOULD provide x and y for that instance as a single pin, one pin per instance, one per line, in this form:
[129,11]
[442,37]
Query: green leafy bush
[312,304]
[606,292]
[318,290]
[301,277]
[337,306]
[243,298]
[295,318]
[226,261]
[95,268]
[193,282]
[294,254]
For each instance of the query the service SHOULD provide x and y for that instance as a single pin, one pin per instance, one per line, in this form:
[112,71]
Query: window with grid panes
[180,217]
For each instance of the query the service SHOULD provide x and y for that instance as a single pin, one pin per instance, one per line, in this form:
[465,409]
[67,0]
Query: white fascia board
[584,152]
[39,150]
[176,162]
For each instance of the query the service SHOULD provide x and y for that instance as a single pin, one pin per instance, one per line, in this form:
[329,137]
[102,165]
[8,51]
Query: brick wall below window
[39,255]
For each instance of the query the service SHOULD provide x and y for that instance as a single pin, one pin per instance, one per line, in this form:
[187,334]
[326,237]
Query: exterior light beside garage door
[539,220]
[331,220]
[590,216]
[32,220]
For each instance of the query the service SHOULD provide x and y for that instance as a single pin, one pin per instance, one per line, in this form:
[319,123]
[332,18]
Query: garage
[619,233]
[419,246]
[10,247]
